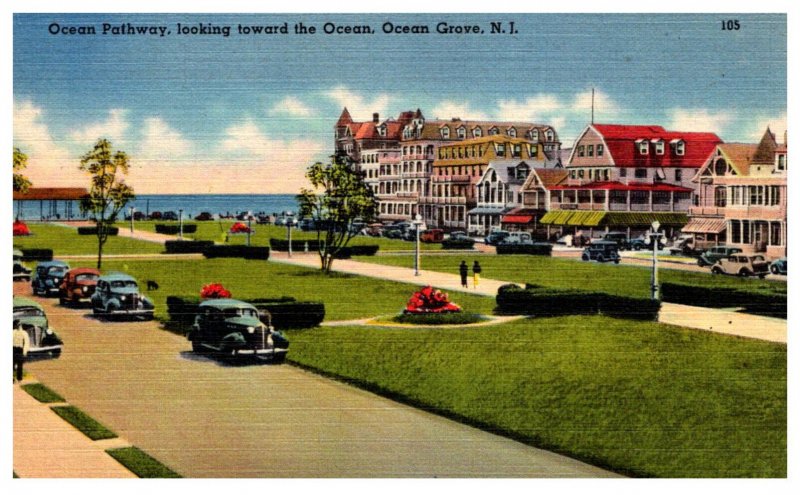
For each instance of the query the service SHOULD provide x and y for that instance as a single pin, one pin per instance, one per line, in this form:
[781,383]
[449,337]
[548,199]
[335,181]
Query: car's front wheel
[585,257]
[716,270]
[637,247]
[600,258]
[197,347]
[744,272]
[773,269]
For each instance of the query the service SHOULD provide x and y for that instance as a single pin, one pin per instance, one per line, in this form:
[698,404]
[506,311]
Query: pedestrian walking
[22,344]
[463,269]
[476,273]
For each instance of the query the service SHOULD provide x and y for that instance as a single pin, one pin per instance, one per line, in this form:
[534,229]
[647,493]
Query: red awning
[517,219]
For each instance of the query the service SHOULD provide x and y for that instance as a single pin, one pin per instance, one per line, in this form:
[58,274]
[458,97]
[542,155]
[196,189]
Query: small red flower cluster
[430,300]
[239,228]
[215,291]
[21,229]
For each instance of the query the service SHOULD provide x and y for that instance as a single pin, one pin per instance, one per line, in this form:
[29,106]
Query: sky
[247,113]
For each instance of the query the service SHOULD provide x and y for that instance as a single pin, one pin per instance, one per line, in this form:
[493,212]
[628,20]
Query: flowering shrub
[215,291]
[21,229]
[428,300]
[239,228]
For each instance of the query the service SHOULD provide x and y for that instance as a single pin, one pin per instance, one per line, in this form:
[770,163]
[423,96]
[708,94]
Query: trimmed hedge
[187,246]
[297,245]
[37,254]
[762,302]
[236,251]
[169,229]
[350,251]
[286,312]
[93,230]
[541,249]
[545,302]
[458,244]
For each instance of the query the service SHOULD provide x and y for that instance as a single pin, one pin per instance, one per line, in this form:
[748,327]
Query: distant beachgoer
[476,273]
[463,269]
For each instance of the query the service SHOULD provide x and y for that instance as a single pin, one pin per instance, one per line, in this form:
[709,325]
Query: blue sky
[208,113]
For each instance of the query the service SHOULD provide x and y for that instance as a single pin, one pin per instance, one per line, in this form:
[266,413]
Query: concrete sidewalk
[46,446]
[700,318]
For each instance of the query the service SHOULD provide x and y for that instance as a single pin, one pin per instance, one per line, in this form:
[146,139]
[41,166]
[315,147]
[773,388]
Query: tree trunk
[99,253]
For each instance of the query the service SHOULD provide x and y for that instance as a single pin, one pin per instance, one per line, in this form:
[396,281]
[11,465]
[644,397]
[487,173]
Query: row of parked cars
[224,327]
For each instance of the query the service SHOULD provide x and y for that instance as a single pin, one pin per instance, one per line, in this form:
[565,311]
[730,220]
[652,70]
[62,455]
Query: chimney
[375,118]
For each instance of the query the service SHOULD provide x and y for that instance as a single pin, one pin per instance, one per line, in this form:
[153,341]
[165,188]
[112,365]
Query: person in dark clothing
[476,273]
[463,269]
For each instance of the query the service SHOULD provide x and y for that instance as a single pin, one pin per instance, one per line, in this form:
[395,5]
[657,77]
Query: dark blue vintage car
[48,277]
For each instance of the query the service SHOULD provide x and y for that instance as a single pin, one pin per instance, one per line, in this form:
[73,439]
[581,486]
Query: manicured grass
[346,297]
[42,393]
[639,398]
[573,273]
[65,240]
[141,464]
[84,423]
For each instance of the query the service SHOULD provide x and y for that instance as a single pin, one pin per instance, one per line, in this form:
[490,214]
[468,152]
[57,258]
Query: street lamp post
[289,230]
[655,236]
[417,223]
[133,210]
[180,224]
[249,229]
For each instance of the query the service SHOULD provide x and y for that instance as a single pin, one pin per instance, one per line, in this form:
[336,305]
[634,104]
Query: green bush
[93,230]
[364,250]
[174,229]
[187,246]
[548,302]
[537,248]
[460,318]
[32,254]
[761,301]
[182,310]
[298,245]
[237,251]
[293,314]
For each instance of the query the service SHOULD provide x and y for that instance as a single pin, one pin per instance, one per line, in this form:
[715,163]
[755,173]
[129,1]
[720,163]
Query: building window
[678,175]
[775,195]
[775,234]
[736,232]
[590,150]
[599,150]
[781,162]
[580,150]
[512,132]
[720,197]
[501,149]
[549,135]
[462,132]
[517,151]
[623,172]
[494,131]
[534,150]
[659,147]
[640,173]
[535,135]
[745,231]
[644,147]
[580,173]
[680,147]
[572,174]
[477,132]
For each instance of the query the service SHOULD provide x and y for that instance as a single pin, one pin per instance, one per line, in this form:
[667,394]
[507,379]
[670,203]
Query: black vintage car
[601,251]
[230,329]
[48,277]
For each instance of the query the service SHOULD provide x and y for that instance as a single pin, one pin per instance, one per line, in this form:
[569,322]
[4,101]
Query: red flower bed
[239,228]
[215,291]
[21,229]
[429,300]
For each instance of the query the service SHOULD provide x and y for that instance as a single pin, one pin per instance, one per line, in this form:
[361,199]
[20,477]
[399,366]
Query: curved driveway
[204,419]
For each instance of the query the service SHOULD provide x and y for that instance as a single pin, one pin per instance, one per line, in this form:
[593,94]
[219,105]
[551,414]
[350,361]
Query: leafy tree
[339,196]
[108,194]
[21,183]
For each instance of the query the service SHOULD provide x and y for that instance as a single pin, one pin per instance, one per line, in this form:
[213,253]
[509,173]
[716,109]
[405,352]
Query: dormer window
[462,132]
[643,145]
[678,146]
[535,135]
[512,132]
[658,145]
[445,131]
[477,132]
[523,171]
[494,131]
[382,131]
[549,135]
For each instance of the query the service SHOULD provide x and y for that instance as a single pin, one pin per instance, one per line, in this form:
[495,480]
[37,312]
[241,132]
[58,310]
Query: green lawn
[83,422]
[345,296]
[215,231]
[640,398]
[141,463]
[576,274]
[65,240]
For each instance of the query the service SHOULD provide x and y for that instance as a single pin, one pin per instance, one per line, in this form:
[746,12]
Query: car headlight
[251,329]
[49,331]
[85,289]
[122,298]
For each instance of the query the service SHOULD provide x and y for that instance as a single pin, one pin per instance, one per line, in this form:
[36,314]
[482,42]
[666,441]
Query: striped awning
[704,226]
[611,218]
[521,219]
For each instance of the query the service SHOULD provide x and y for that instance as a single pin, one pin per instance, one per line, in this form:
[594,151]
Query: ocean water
[191,204]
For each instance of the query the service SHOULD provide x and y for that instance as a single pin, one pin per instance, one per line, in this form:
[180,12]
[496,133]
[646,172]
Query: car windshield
[234,312]
[758,258]
[28,311]
[57,271]
[85,277]
[118,284]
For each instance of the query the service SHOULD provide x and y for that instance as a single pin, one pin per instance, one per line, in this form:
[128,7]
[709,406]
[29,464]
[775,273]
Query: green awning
[612,218]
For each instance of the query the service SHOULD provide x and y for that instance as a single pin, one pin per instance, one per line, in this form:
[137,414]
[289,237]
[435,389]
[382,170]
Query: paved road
[204,419]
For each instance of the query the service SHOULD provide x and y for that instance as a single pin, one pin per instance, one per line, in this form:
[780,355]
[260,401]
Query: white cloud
[359,107]
[113,129]
[532,109]
[698,120]
[291,106]
[161,143]
[447,110]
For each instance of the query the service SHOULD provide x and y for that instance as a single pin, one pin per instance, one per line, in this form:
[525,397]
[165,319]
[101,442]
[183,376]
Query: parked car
[307,224]
[716,253]
[601,251]
[691,244]
[169,215]
[458,235]
[753,265]
[204,216]
[374,229]
[78,286]
[44,340]
[392,232]
[117,294]
[517,238]
[496,237]
[48,277]
[21,272]
[155,215]
[432,235]
[643,242]
[779,267]
[231,328]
